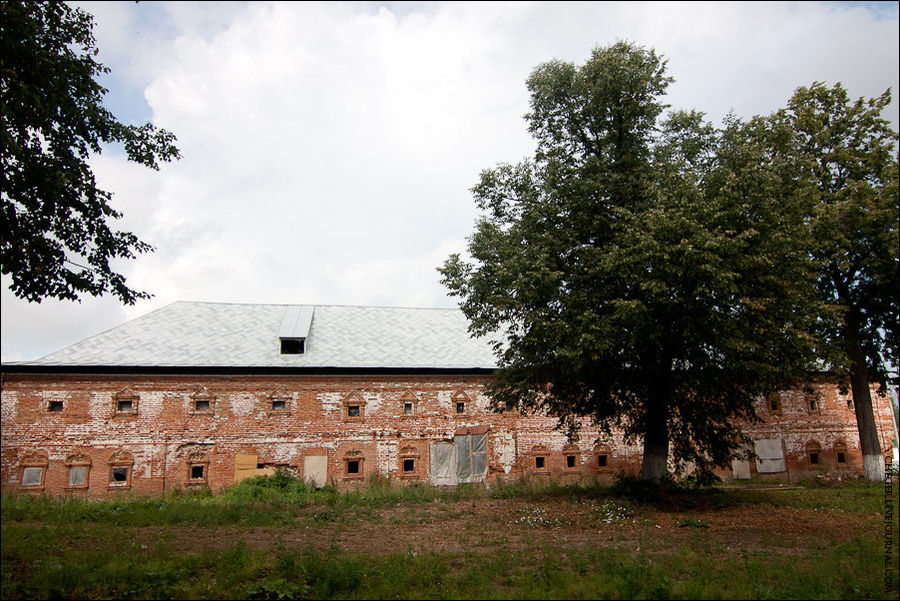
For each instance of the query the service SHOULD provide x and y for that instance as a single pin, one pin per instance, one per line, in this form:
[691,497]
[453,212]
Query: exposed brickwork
[114,434]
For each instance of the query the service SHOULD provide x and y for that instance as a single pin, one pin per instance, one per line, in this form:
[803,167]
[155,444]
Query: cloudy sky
[328,149]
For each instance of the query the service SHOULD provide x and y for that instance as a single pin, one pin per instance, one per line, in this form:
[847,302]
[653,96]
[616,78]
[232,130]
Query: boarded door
[740,469]
[315,470]
[471,458]
[443,463]
[769,455]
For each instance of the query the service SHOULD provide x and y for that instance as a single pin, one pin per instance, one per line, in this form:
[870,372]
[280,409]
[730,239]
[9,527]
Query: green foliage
[849,155]
[645,273]
[55,222]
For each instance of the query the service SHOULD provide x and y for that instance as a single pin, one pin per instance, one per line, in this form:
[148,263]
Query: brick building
[205,394]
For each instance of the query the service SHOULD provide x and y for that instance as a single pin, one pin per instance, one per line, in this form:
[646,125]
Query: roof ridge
[351,306]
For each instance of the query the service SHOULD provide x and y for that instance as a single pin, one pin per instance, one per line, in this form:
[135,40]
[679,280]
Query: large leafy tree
[637,272]
[849,154]
[57,239]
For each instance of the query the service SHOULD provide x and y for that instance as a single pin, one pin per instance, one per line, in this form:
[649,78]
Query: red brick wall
[165,435]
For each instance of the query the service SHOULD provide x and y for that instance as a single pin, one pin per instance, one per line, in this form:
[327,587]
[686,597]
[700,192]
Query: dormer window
[295,329]
[293,346]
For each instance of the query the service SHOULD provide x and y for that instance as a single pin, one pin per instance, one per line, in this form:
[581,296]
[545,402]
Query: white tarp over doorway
[443,463]
[471,458]
[769,455]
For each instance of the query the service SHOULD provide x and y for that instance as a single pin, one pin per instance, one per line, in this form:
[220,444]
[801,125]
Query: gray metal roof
[192,334]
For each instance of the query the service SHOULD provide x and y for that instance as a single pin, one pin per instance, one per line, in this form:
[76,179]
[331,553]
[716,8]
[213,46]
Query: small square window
[539,463]
[850,403]
[352,410]
[601,460]
[570,461]
[201,405]
[353,466]
[841,457]
[124,406]
[279,405]
[119,475]
[460,406]
[292,346]
[77,475]
[407,408]
[55,406]
[409,465]
[198,471]
[814,459]
[32,476]
[813,405]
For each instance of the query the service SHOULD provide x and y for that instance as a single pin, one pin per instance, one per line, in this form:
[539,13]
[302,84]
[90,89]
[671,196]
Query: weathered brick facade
[111,433]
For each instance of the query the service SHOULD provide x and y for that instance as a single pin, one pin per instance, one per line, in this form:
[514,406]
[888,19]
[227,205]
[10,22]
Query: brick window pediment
[540,459]
[408,403]
[461,404]
[279,402]
[121,465]
[78,469]
[354,465]
[203,402]
[409,462]
[603,458]
[354,407]
[125,402]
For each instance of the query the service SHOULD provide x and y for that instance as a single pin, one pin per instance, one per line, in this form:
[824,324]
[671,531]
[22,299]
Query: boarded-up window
[471,457]
[769,455]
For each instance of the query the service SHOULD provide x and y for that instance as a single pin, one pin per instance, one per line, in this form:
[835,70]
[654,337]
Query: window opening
[292,346]
[126,401]
[812,453]
[409,465]
[279,404]
[570,461]
[352,410]
[539,463]
[353,466]
[197,472]
[119,475]
[601,460]
[55,406]
[77,475]
[460,407]
[32,476]
[841,457]
[408,408]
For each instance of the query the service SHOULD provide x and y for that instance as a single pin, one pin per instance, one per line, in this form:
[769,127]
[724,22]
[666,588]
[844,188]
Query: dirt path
[489,525]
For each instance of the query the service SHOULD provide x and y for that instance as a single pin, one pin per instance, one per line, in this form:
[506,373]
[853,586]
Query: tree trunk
[873,460]
[655,466]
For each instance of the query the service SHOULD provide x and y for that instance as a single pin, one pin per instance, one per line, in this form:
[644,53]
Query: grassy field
[278,539]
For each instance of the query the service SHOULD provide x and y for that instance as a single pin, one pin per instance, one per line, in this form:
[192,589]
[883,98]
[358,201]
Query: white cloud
[328,148]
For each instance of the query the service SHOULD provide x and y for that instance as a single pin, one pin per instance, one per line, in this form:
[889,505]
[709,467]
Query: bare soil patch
[492,525]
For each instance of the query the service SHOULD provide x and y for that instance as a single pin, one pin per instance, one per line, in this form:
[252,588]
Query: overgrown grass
[77,548]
